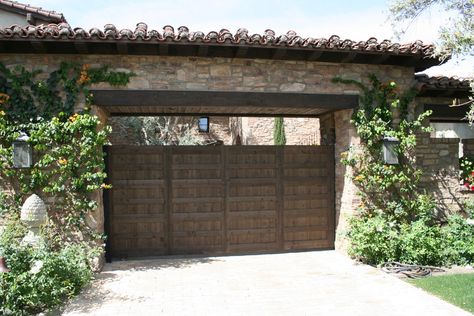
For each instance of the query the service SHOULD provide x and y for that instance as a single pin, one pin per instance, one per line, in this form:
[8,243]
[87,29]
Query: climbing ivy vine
[68,160]
[396,219]
[27,97]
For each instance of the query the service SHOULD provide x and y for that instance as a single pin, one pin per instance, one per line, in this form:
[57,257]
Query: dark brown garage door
[212,200]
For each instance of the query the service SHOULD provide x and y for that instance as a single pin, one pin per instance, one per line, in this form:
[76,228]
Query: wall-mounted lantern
[390,152]
[203,124]
[22,152]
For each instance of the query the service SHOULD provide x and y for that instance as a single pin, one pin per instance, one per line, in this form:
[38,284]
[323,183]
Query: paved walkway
[306,283]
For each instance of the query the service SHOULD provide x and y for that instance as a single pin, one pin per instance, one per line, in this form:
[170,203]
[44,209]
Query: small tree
[455,37]
[279,137]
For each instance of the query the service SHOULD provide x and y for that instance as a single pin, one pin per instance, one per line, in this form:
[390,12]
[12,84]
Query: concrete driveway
[305,283]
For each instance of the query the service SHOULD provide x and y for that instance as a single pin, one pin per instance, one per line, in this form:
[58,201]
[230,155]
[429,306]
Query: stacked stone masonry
[234,74]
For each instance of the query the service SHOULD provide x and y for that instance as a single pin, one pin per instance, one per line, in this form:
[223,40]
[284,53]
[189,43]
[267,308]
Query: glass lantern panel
[204,124]
[21,155]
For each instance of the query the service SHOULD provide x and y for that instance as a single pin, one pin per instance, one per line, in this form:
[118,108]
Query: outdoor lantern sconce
[22,152]
[203,124]
[390,155]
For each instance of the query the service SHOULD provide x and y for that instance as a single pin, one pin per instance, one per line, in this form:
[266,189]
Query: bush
[374,240]
[39,278]
[459,240]
[421,243]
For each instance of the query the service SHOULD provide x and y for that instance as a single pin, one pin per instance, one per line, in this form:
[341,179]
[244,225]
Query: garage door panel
[193,206]
[252,206]
[196,225]
[298,204]
[205,173]
[190,159]
[195,191]
[303,220]
[139,209]
[242,173]
[252,236]
[253,221]
[123,193]
[144,174]
[291,189]
[250,189]
[221,199]
[138,160]
[308,244]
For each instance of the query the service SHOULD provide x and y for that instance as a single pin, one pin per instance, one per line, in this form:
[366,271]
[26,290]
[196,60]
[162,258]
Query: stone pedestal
[33,215]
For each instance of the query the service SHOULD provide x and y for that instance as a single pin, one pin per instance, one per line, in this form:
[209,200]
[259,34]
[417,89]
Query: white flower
[37,265]
[470,221]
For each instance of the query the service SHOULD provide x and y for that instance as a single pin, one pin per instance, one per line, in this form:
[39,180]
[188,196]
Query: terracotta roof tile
[50,15]
[183,34]
[442,82]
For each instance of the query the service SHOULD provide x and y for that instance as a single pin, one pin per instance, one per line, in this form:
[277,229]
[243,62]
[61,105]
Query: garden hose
[412,271]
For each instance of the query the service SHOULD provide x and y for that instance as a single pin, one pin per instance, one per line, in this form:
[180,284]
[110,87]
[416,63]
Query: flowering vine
[68,163]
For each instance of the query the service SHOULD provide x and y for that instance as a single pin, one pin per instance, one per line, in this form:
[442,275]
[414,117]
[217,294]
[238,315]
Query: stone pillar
[347,199]
[96,218]
[327,129]
[102,114]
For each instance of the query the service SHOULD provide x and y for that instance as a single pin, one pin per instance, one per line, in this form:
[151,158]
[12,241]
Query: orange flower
[73,118]
[4,98]
[83,76]
[62,161]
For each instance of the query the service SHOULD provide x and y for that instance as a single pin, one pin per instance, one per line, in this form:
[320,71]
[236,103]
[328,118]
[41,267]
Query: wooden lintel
[163,49]
[39,47]
[241,52]
[349,57]
[279,53]
[380,59]
[243,114]
[410,61]
[227,99]
[122,48]
[315,55]
[203,50]
[81,47]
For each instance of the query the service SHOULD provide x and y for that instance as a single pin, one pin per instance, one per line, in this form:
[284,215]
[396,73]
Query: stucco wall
[9,18]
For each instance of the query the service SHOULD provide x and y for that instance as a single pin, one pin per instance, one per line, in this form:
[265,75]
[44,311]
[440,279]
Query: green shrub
[458,237]
[374,240]
[421,243]
[39,278]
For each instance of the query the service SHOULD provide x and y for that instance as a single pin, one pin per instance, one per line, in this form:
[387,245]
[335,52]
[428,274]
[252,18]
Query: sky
[352,19]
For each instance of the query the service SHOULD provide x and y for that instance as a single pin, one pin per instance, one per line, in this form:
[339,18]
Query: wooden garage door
[213,200]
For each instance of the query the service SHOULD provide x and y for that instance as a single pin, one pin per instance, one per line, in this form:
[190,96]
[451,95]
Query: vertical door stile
[167,174]
[280,192]
[225,179]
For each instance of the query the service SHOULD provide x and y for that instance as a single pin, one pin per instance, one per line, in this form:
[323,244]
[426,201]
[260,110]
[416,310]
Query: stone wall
[439,160]
[225,74]
[468,147]
[220,130]
[347,199]
[234,74]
